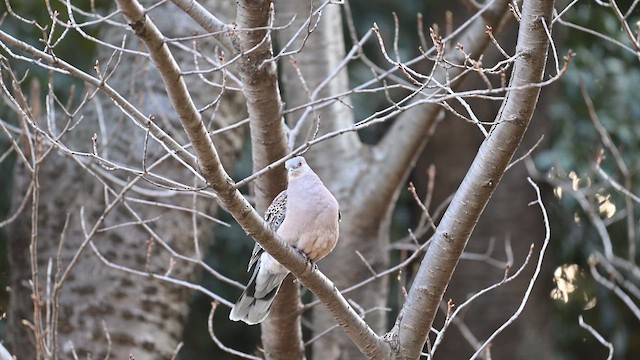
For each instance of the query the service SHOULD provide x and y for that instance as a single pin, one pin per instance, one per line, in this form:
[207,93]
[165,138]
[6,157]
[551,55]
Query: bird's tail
[255,302]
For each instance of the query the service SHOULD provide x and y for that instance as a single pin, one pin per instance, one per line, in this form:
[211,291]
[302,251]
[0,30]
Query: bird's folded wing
[274,216]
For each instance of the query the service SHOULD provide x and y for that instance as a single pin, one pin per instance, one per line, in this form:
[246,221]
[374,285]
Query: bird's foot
[313,266]
[310,263]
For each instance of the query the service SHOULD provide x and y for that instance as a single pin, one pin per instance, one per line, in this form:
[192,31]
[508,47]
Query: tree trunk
[338,161]
[102,309]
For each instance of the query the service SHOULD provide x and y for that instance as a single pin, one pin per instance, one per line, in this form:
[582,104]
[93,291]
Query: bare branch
[613,287]
[596,335]
[208,22]
[214,306]
[616,185]
[415,125]
[535,275]
[478,185]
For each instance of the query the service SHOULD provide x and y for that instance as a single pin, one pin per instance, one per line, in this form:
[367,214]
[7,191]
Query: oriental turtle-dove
[305,216]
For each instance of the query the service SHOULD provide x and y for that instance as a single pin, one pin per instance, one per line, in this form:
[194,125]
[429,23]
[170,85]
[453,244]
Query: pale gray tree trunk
[335,161]
[366,180]
[143,317]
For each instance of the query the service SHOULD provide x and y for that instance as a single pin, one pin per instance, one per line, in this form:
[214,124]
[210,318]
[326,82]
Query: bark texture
[506,218]
[366,180]
[281,331]
[143,317]
[479,184]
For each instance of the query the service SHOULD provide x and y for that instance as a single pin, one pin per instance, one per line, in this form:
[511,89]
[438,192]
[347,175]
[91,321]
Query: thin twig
[596,335]
[222,346]
[536,273]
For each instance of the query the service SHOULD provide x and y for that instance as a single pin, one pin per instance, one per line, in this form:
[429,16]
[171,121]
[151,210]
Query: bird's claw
[310,263]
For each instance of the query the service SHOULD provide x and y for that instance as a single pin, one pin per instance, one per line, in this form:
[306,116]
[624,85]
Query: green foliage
[611,76]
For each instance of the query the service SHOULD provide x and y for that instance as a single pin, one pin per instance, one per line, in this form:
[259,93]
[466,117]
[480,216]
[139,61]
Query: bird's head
[295,166]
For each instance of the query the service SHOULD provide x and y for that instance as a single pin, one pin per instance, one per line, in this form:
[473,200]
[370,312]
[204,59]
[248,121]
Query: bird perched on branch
[305,216]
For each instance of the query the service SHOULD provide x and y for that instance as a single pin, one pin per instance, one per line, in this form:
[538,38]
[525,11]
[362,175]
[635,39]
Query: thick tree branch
[281,332]
[260,88]
[208,22]
[453,232]
[231,199]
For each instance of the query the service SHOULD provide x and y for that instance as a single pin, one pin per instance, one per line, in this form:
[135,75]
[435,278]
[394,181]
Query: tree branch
[232,200]
[260,88]
[281,332]
[457,224]
[417,124]
[208,22]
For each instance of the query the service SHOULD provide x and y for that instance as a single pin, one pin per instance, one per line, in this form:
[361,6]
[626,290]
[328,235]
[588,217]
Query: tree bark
[281,331]
[478,185]
[365,180]
[143,317]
